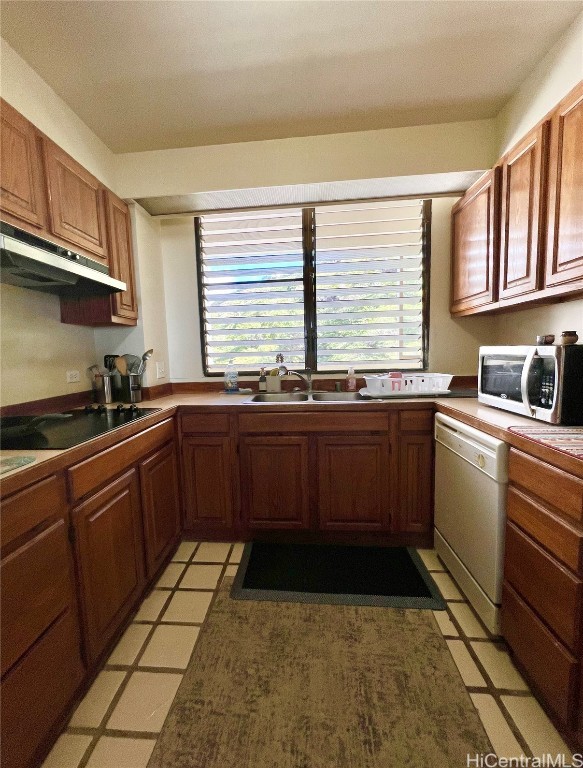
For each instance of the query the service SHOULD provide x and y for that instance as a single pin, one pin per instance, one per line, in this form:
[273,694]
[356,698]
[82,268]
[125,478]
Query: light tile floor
[118,721]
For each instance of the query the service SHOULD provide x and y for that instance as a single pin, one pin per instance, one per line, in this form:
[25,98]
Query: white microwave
[542,382]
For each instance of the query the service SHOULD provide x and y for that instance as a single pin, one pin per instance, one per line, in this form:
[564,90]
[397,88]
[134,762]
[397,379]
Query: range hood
[32,262]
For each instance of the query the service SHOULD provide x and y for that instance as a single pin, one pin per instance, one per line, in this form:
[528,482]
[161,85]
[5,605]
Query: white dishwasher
[471,475]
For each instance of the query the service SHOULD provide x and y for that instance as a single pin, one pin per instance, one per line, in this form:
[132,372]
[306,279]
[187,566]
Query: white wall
[425,149]
[559,71]
[37,350]
[181,292]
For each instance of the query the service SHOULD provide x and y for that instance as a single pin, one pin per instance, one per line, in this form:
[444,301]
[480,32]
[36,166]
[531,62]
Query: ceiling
[146,74]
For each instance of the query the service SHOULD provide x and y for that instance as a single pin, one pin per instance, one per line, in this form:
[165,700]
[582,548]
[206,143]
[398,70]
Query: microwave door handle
[524,381]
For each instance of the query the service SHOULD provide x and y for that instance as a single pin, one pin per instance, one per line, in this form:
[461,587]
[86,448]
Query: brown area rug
[289,685]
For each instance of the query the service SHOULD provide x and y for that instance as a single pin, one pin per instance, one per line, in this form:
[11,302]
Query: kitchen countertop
[490,420]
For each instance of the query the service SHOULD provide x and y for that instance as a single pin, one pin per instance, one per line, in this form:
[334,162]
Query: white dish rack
[387,385]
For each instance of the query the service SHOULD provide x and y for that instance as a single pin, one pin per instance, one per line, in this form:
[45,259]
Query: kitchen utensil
[145,357]
[95,370]
[104,388]
[133,363]
[109,362]
[121,365]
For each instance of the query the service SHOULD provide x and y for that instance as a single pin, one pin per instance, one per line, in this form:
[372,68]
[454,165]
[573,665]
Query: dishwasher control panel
[487,453]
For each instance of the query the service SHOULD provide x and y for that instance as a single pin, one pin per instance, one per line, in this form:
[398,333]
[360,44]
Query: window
[328,286]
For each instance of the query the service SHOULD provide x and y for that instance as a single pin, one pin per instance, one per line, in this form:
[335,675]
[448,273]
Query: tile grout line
[102,730]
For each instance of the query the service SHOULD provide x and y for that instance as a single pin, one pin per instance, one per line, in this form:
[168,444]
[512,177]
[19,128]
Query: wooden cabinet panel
[539,579]
[353,484]
[565,209]
[160,505]
[121,259]
[475,245]
[37,692]
[255,423]
[21,193]
[207,470]
[32,508]
[94,472]
[275,482]
[415,483]
[201,423]
[558,536]
[557,488]
[549,665]
[523,209]
[110,559]
[76,208]
[36,588]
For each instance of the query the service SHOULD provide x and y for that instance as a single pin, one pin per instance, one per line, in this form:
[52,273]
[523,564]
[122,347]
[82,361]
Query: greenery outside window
[328,286]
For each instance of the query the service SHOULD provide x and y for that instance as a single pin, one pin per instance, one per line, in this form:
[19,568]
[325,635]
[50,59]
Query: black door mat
[343,575]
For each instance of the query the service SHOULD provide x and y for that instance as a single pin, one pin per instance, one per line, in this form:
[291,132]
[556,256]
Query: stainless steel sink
[279,397]
[336,396]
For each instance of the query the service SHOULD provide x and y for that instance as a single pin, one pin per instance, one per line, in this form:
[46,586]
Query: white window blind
[251,273]
[369,288]
[365,277]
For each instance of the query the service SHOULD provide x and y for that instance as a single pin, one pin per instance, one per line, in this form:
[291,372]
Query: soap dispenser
[351,380]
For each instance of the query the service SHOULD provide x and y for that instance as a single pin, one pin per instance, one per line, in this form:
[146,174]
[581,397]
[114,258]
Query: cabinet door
[121,260]
[275,482]
[110,559]
[21,192]
[353,483]
[565,212]
[523,206]
[160,505]
[475,246]
[77,212]
[415,483]
[207,486]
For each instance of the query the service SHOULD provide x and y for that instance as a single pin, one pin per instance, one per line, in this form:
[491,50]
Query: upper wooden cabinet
[537,219]
[522,215]
[76,206]
[565,217]
[118,308]
[474,275]
[22,195]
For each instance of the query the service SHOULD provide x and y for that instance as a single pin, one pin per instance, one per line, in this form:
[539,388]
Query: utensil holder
[131,388]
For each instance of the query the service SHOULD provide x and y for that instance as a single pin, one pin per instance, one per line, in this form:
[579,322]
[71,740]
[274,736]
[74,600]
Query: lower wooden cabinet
[542,601]
[42,666]
[207,469]
[275,482]
[108,540]
[353,483]
[160,505]
[415,498]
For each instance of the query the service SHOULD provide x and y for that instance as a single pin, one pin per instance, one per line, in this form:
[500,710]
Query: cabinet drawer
[544,584]
[204,423]
[35,588]
[30,508]
[94,472]
[557,488]
[313,422]
[36,693]
[555,534]
[550,666]
[416,421]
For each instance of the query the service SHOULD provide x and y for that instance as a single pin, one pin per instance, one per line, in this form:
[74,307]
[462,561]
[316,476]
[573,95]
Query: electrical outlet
[160,370]
[73,377]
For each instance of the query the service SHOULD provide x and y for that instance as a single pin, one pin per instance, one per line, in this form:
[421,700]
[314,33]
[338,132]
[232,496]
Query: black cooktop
[60,431]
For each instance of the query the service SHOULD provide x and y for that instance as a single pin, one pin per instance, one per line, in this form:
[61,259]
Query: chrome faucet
[307,379]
